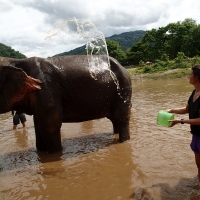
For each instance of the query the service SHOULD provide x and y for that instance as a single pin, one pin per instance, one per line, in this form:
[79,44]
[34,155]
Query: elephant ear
[16,84]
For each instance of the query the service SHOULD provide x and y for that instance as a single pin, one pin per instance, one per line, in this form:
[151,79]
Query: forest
[166,43]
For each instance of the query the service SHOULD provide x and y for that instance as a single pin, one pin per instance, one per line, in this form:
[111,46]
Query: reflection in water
[21,137]
[87,127]
[156,163]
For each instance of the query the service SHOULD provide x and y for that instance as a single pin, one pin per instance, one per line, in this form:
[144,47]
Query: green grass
[163,69]
[168,74]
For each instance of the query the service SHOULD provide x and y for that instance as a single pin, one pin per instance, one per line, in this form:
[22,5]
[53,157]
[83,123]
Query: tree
[115,51]
[179,37]
[168,40]
[136,53]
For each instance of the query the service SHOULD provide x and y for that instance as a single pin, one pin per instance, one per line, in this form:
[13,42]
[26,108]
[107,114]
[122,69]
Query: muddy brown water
[156,163]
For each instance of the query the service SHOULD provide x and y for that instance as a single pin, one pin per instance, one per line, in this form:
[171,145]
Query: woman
[193,108]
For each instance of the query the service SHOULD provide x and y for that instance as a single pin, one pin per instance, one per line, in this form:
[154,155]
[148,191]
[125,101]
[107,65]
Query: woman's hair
[196,71]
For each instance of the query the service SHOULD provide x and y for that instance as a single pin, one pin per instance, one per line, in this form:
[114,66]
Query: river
[155,164]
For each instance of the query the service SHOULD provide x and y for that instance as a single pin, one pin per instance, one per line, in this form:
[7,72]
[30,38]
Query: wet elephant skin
[65,89]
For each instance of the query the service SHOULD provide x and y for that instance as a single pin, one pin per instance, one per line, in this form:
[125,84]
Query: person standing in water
[17,118]
[193,109]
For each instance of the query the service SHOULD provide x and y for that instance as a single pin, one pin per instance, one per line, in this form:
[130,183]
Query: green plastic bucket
[163,117]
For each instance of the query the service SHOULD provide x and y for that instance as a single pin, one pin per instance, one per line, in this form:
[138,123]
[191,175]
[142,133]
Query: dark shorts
[19,117]
[195,144]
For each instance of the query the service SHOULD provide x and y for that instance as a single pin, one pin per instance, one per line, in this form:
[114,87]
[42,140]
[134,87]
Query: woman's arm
[195,121]
[182,110]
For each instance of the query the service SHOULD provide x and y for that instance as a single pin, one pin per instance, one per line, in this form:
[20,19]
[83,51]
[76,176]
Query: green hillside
[7,51]
[126,40]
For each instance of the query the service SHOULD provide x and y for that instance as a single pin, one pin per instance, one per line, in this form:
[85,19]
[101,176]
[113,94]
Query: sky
[47,27]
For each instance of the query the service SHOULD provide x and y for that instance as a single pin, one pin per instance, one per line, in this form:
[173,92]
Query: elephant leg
[115,127]
[48,135]
[121,128]
[120,117]
[123,131]
[40,144]
[52,138]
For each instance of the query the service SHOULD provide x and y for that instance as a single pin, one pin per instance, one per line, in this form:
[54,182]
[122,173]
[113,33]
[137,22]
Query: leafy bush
[146,69]
[141,63]
[164,57]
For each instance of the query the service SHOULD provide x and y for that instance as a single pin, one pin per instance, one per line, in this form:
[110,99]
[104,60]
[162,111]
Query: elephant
[65,89]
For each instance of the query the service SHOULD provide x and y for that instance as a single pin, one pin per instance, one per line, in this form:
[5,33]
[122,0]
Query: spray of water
[95,45]
[93,39]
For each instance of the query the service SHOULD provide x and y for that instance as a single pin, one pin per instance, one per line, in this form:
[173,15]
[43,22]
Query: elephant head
[15,84]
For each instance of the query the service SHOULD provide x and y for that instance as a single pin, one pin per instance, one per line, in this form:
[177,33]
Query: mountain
[126,40]
[7,51]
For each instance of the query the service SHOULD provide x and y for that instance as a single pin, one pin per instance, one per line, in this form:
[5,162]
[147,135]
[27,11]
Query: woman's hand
[174,122]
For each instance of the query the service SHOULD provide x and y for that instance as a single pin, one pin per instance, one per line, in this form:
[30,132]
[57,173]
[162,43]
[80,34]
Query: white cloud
[26,23]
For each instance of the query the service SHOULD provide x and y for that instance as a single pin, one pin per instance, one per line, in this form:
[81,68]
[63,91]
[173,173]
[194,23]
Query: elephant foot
[51,151]
[124,132]
[41,149]
[124,138]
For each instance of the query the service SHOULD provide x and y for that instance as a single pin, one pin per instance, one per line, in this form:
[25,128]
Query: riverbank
[169,74]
